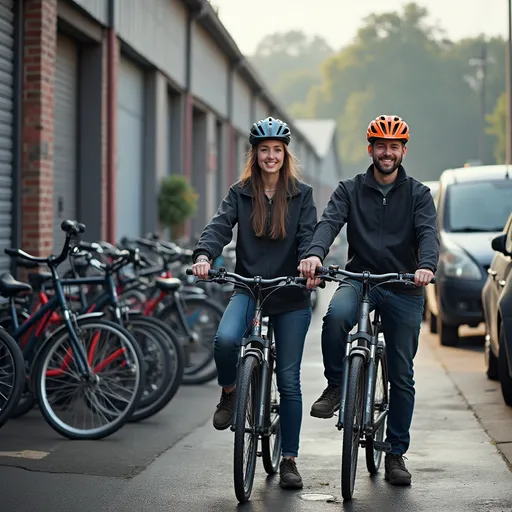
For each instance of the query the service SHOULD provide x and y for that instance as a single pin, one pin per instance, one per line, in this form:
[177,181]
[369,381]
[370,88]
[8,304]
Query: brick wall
[40,29]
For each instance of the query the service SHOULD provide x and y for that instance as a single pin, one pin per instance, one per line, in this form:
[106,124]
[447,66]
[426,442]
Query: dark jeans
[290,331]
[401,316]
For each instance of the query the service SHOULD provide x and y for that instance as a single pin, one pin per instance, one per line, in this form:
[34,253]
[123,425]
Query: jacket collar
[370,180]
[247,190]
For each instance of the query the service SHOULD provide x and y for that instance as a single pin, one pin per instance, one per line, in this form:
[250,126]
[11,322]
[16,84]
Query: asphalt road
[177,462]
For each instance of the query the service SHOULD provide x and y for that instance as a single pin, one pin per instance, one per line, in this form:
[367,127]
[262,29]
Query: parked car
[497,305]
[473,205]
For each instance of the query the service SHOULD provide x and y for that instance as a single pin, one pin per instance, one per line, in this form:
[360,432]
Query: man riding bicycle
[391,227]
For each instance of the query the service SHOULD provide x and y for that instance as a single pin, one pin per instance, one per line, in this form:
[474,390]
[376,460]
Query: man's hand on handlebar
[201,267]
[423,276]
[307,268]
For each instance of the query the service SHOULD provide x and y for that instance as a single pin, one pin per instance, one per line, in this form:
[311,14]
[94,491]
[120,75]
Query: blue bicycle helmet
[269,129]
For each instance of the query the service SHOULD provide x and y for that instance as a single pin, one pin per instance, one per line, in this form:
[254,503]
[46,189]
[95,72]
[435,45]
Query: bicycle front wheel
[379,413]
[12,375]
[353,421]
[246,439]
[96,406]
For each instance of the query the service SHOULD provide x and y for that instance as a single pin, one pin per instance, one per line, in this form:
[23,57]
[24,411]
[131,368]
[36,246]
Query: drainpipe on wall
[111,125]
[17,175]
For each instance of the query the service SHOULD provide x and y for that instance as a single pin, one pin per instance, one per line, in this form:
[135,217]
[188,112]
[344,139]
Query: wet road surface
[177,462]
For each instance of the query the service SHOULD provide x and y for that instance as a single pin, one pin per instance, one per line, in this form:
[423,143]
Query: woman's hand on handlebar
[201,267]
[307,268]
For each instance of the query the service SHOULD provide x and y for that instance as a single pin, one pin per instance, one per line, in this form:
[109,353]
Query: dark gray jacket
[263,256]
[395,233]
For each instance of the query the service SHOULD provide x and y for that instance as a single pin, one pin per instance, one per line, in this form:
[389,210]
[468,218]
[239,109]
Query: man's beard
[391,170]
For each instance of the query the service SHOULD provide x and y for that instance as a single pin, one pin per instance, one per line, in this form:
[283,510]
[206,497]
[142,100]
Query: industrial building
[99,99]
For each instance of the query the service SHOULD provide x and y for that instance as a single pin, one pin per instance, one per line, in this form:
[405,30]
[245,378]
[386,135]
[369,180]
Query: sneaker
[224,414]
[289,475]
[395,471]
[328,403]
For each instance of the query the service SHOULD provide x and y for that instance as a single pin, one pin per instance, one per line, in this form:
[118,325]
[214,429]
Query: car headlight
[456,263]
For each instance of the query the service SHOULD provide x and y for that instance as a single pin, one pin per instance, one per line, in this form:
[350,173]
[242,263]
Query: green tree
[400,64]
[290,64]
[497,128]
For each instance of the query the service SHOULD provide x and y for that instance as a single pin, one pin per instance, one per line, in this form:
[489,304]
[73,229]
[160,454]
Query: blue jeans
[290,331]
[401,316]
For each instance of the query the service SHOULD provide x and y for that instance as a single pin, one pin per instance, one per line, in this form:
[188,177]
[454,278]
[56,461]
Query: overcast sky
[338,20]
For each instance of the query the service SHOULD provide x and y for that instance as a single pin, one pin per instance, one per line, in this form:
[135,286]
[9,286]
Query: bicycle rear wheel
[379,408]
[246,439]
[352,426]
[271,443]
[12,375]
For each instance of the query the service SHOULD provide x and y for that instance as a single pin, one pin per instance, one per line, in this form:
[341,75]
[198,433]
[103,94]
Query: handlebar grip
[12,252]
[189,272]
[409,276]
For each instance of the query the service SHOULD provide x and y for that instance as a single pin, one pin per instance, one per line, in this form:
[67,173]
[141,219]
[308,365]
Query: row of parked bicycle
[106,334]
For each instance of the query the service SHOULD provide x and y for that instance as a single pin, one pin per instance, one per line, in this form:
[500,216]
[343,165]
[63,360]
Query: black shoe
[328,403]
[395,471]
[224,414]
[290,476]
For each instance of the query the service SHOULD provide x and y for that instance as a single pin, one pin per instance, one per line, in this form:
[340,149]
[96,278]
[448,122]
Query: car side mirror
[499,244]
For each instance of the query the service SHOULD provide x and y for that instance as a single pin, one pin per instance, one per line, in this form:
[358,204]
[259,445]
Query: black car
[497,304]
[473,205]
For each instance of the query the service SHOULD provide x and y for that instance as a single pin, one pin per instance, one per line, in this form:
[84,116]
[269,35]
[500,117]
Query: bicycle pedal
[382,446]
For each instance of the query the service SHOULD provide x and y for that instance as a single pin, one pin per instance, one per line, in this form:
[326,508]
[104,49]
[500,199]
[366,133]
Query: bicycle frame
[368,344]
[39,320]
[259,346]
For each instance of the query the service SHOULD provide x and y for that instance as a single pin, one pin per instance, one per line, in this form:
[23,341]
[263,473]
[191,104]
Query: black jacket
[263,256]
[396,233]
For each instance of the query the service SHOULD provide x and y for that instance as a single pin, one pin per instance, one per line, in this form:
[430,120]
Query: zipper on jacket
[384,201]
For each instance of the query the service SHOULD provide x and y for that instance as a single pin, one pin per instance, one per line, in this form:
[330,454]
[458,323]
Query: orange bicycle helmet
[388,127]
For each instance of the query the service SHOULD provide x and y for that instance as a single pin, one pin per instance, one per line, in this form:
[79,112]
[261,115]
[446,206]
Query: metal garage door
[65,137]
[6,125]
[130,140]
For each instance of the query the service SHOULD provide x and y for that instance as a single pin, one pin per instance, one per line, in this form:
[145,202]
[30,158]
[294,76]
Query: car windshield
[478,206]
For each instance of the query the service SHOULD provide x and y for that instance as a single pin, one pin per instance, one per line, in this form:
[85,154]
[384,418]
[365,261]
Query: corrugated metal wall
[209,66]
[96,8]
[157,30]
[6,126]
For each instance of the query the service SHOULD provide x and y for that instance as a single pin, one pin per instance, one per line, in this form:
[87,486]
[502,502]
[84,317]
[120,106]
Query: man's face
[387,154]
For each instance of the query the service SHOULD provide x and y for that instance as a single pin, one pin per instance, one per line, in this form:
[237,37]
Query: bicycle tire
[176,356]
[159,356]
[193,375]
[353,413]
[374,457]
[247,387]
[7,343]
[271,457]
[40,364]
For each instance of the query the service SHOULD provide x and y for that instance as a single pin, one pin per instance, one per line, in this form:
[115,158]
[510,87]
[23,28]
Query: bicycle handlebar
[216,274]
[72,228]
[333,270]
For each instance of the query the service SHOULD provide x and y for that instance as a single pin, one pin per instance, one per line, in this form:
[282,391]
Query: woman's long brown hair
[287,184]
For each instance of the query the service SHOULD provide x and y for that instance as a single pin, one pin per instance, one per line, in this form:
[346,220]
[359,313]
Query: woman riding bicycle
[276,216]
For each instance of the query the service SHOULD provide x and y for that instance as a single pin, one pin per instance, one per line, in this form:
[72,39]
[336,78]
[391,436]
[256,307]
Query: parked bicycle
[12,367]
[364,388]
[86,374]
[257,399]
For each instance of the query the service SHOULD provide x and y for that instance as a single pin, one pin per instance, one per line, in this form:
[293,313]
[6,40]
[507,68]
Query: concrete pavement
[456,465]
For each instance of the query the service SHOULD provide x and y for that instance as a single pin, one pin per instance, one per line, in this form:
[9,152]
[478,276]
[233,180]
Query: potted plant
[177,201]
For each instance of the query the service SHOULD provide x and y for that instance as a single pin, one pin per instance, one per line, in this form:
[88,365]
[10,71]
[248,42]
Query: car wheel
[431,320]
[491,361]
[505,379]
[448,334]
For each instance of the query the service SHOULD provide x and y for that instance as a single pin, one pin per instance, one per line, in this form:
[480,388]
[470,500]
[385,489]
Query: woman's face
[271,156]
